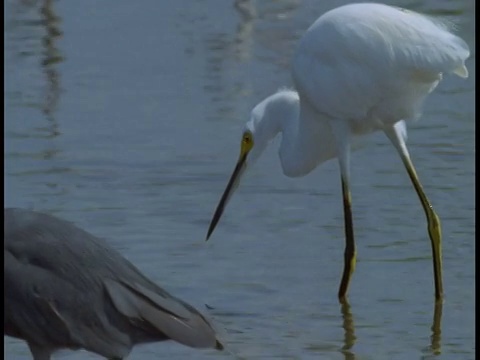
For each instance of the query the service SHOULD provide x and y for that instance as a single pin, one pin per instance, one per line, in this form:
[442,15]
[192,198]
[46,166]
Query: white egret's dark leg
[341,132]
[397,135]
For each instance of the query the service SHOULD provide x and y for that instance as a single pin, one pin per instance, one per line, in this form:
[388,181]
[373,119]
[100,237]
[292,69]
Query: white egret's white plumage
[359,68]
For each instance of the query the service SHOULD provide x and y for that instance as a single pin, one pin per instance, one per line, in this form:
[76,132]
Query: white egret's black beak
[246,146]
[231,187]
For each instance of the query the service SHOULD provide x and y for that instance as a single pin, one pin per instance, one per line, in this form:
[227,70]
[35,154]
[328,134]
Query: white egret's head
[264,123]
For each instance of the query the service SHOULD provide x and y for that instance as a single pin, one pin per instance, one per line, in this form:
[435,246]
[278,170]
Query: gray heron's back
[65,288]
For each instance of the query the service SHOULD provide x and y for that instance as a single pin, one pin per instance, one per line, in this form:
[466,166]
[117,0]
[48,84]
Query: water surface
[125,117]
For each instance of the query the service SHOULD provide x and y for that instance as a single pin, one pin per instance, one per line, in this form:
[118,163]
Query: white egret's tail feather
[461,71]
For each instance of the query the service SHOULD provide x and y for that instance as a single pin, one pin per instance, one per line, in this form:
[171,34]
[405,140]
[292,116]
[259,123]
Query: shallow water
[125,117]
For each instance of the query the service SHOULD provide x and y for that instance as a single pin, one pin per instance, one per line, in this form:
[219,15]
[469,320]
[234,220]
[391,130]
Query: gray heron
[65,288]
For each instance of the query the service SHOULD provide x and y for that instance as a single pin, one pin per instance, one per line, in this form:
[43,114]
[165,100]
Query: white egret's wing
[361,60]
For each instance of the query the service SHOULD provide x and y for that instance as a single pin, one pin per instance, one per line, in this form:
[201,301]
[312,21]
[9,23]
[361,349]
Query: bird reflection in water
[349,339]
[436,338]
[51,58]
[349,328]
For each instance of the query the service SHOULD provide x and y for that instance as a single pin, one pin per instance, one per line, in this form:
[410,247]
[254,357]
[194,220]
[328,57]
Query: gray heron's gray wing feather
[50,310]
[176,319]
[53,287]
[95,290]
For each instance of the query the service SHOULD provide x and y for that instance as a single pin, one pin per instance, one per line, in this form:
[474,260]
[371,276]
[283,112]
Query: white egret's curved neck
[307,141]
[277,113]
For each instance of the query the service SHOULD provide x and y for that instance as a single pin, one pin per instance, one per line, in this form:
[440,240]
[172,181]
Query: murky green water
[125,117]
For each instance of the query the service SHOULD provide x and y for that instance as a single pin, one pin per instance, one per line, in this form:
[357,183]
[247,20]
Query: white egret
[359,68]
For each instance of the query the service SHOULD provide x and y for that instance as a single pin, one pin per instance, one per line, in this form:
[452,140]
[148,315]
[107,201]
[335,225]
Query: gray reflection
[441,8]
[228,54]
[22,30]
[243,44]
[246,9]
[33,34]
[278,42]
[51,58]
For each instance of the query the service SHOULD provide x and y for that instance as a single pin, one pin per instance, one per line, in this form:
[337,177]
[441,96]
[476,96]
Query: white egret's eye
[247,142]
[247,138]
